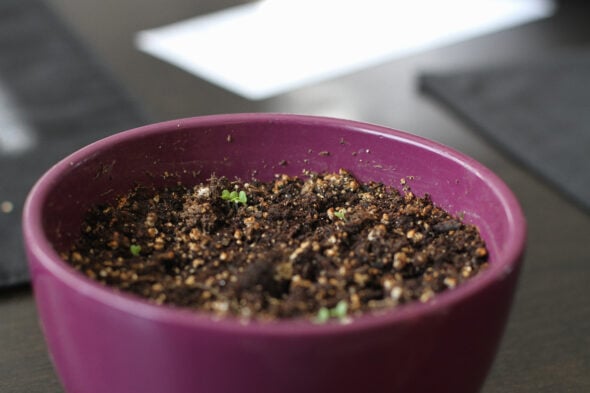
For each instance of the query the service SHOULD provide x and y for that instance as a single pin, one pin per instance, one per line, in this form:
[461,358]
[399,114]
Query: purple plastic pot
[103,341]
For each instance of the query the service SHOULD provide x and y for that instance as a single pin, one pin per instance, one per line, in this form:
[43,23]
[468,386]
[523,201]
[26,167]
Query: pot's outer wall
[103,341]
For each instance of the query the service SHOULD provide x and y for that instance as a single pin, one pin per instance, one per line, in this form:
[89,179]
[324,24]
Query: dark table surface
[546,347]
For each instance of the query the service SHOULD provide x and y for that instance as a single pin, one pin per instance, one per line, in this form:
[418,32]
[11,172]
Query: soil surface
[322,247]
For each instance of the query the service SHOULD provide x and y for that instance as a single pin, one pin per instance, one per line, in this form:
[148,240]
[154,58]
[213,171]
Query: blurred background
[505,81]
[115,44]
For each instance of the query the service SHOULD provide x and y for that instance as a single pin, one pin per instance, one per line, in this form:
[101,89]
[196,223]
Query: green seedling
[323,315]
[341,214]
[339,311]
[234,196]
[135,249]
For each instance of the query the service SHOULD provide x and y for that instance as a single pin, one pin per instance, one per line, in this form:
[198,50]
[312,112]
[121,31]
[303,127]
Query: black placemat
[56,97]
[539,113]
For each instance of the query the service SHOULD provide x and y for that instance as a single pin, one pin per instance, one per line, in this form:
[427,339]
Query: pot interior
[189,151]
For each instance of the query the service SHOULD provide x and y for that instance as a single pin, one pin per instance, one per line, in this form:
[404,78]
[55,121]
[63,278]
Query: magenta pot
[103,341]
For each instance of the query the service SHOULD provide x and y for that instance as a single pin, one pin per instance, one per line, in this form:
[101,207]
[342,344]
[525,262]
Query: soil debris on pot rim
[320,247]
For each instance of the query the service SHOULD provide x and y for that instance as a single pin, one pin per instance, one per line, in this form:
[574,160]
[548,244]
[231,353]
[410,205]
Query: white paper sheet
[270,47]
[16,135]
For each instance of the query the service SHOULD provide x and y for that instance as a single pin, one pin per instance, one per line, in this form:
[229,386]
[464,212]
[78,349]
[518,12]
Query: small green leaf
[135,249]
[323,315]
[242,197]
[340,310]
[340,214]
[225,194]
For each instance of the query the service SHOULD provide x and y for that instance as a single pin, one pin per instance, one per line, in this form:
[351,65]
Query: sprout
[234,196]
[323,315]
[135,249]
[340,214]
[339,311]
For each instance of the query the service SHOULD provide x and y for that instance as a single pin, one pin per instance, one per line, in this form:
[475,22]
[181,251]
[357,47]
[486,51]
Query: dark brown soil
[321,247]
